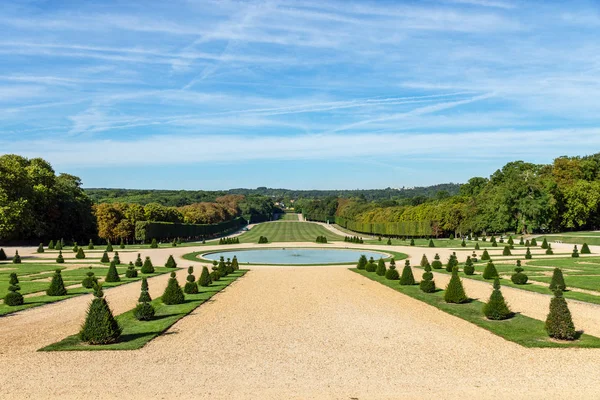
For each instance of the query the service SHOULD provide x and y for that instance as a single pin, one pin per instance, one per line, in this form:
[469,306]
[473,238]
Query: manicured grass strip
[137,333]
[195,256]
[527,332]
[288,231]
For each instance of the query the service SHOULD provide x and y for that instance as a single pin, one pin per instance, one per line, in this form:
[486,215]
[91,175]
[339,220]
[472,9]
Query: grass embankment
[288,232]
[137,333]
[525,331]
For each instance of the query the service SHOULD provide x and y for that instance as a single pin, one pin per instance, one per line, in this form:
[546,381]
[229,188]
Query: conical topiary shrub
[17,258]
[528,255]
[544,244]
[190,286]
[506,251]
[144,294]
[204,279]
[57,286]
[407,278]
[116,258]
[147,267]
[228,267]
[170,262]
[362,262]
[575,253]
[112,275]
[549,250]
[477,246]
[392,274]
[424,261]
[51,245]
[496,308]
[469,268]
[412,242]
[431,244]
[527,243]
[3,256]
[558,281]
[559,323]
[105,258]
[80,254]
[131,271]
[533,242]
[89,281]
[100,326]
[585,249]
[427,285]
[122,244]
[60,259]
[455,293]
[138,261]
[436,264]
[13,297]
[519,278]
[522,241]
[75,247]
[490,271]
[371,266]
[173,293]
[389,242]
[485,256]
[40,248]
[109,247]
[381,269]
[154,244]
[59,245]
[234,264]
[91,245]
[452,262]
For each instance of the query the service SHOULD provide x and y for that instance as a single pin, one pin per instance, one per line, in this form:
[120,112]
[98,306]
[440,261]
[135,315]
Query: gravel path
[292,333]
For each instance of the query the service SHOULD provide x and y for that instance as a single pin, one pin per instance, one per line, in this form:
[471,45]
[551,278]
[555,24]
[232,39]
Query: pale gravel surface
[299,332]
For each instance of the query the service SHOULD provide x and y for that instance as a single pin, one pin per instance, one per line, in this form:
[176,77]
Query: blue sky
[298,94]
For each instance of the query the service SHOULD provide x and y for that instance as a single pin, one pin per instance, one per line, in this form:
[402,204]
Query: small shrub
[109,247]
[371,267]
[131,271]
[222,268]
[490,271]
[533,242]
[75,247]
[40,248]
[585,249]
[57,286]
[190,286]
[171,262]
[451,237]
[575,253]
[89,281]
[527,243]
[13,297]
[3,255]
[122,244]
[105,258]
[427,285]
[112,275]
[392,274]
[154,244]
[59,245]
[204,278]
[528,255]
[138,261]
[51,245]
[559,323]
[455,293]
[381,269]
[519,278]
[496,308]
[412,242]
[389,242]
[234,264]
[477,246]
[549,251]
[174,243]
[424,261]
[558,281]
[228,267]
[485,256]
[80,254]
[173,293]
[493,242]
[452,262]
[60,259]
[522,241]
[544,244]
[100,326]
[431,244]
[506,251]
[144,294]
[463,243]
[147,267]
[116,258]
[263,240]
[362,262]
[17,258]
[407,277]
[144,312]
[436,264]
[91,245]
[469,268]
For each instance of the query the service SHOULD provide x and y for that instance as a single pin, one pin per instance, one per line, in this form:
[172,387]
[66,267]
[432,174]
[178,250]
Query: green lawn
[288,232]
[289,217]
[573,238]
[525,331]
[137,333]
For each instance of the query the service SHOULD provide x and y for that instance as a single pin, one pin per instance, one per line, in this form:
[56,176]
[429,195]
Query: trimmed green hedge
[146,231]
[406,228]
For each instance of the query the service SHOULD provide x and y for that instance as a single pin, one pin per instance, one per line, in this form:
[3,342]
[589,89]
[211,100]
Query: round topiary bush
[496,308]
[131,271]
[371,266]
[204,279]
[75,247]
[89,281]
[171,262]
[389,242]
[559,323]
[173,293]
[80,254]
[407,278]
[381,269]
[147,267]
[585,249]
[436,264]
[144,312]
[100,326]
[138,261]
[13,297]
[362,262]
[392,274]
[190,286]
[427,285]
[112,275]
[519,278]
[490,271]
[455,293]
[469,268]
[60,259]
[105,258]
[558,281]
[57,286]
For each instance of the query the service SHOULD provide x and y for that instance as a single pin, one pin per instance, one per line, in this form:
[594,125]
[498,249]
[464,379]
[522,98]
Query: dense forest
[520,197]
[177,198]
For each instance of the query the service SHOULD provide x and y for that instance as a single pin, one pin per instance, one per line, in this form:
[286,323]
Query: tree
[80,254]
[575,253]
[427,285]
[40,248]
[190,286]
[362,262]
[13,297]
[131,271]
[100,326]
[57,286]
[170,262]
[496,308]
[407,277]
[485,256]
[559,323]
[519,278]
[391,274]
[147,267]
[585,249]
[173,293]
[17,258]
[204,278]
[490,271]
[528,255]
[469,268]
[436,264]
[558,281]
[112,275]
[105,258]
[381,269]
[455,293]
[60,259]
